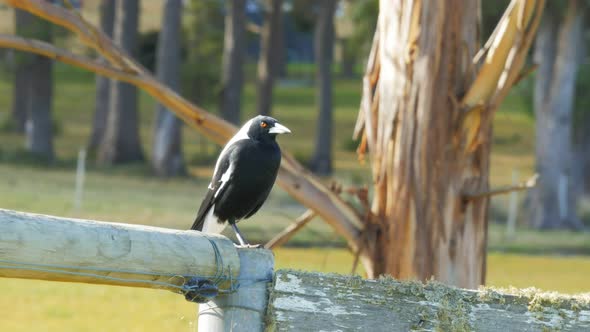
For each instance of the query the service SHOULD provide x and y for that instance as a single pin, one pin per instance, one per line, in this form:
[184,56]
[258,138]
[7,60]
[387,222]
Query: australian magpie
[244,175]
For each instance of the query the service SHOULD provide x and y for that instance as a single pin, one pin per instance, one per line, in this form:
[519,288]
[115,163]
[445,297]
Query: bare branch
[290,231]
[530,183]
[293,177]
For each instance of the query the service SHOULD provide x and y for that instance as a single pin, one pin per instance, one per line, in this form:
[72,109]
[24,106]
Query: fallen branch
[528,184]
[293,177]
[290,231]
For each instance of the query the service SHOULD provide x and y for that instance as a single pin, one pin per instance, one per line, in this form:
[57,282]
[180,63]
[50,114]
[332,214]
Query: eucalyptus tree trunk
[39,83]
[103,84]
[431,230]
[426,121]
[321,162]
[234,48]
[268,62]
[22,73]
[121,138]
[167,158]
[553,203]
[39,124]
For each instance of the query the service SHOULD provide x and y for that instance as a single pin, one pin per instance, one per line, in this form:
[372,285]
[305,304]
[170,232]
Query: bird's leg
[238,233]
[243,243]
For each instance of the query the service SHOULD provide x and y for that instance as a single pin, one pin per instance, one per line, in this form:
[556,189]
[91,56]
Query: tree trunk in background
[121,138]
[39,97]
[39,125]
[103,84]
[234,48]
[167,158]
[553,203]
[422,168]
[22,73]
[321,162]
[282,60]
[581,158]
[348,59]
[269,49]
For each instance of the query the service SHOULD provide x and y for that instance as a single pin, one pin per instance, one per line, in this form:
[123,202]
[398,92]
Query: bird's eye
[263,124]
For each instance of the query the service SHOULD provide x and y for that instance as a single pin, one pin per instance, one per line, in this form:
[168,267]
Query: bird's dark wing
[214,187]
[263,197]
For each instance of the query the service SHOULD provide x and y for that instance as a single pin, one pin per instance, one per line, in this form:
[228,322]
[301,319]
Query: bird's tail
[208,223]
[199,221]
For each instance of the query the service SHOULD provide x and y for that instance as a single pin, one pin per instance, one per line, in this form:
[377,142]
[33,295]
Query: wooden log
[319,302]
[34,246]
[244,310]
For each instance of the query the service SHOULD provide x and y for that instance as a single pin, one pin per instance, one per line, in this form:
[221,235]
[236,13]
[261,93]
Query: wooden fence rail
[35,246]
[43,247]
[301,301]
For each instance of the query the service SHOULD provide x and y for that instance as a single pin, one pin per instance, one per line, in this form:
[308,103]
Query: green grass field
[131,194]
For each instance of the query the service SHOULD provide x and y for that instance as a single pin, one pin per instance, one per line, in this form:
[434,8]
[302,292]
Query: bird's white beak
[279,129]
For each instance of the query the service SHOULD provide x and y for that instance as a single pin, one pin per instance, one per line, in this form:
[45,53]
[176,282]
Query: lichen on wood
[303,301]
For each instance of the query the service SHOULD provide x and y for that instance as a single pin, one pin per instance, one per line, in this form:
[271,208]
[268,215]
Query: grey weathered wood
[245,309]
[34,246]
[320,302]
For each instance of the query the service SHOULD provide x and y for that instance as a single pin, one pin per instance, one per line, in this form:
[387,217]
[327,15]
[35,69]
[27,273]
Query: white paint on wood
[80,172]
[244,310]
[107,253]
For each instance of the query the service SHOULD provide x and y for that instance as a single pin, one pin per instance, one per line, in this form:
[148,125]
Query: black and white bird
[244,175]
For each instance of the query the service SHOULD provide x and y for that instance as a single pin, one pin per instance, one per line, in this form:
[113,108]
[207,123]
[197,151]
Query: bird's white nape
[211,224]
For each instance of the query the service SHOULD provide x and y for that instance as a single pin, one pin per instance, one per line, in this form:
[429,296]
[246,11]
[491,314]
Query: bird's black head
[265,128]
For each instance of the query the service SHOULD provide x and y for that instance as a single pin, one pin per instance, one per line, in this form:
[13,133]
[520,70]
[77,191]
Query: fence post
[245,309]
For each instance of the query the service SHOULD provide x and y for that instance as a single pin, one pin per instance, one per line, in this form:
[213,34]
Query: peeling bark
[425,119]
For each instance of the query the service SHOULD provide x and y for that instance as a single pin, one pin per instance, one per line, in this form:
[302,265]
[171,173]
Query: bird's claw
[248,246]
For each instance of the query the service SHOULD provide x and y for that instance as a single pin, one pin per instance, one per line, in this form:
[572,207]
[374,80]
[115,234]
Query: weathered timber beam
[302,301]
[293,177]
[35,246]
